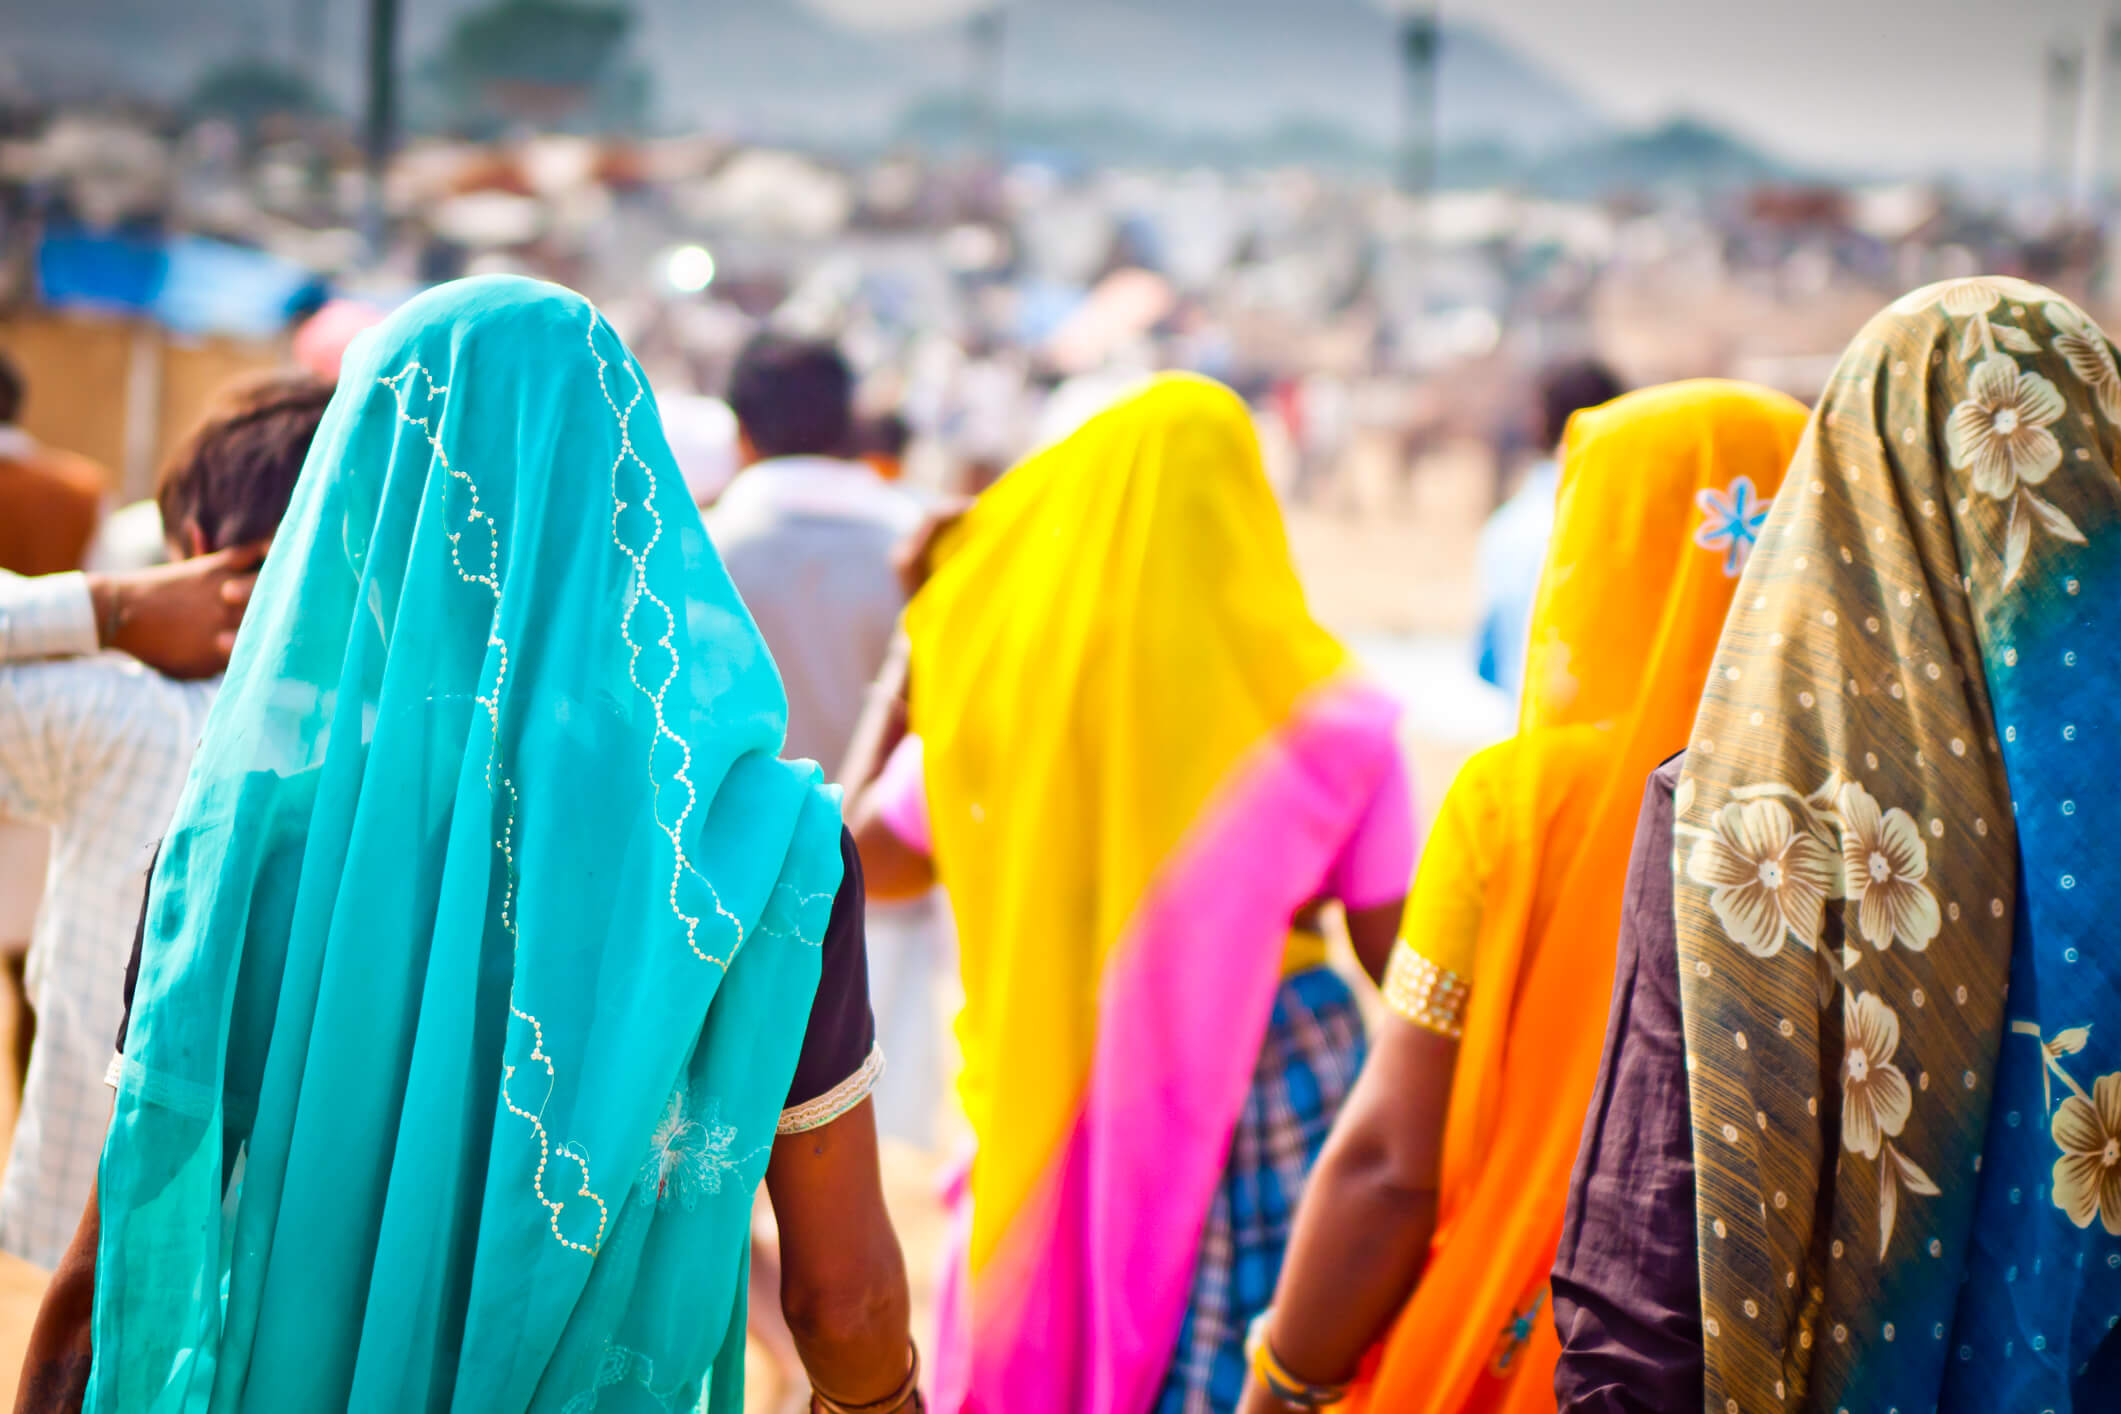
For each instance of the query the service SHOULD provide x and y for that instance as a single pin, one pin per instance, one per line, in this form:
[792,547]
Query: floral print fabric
[1908,1146]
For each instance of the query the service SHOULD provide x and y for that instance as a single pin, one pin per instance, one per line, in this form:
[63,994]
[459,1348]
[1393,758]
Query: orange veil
[1662,494]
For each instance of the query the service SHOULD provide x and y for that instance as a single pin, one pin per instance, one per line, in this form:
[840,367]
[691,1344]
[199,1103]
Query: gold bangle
[908,1390]
[1275,1377]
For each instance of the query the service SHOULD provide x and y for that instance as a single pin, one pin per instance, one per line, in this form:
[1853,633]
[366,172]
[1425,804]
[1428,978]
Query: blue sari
[481,947]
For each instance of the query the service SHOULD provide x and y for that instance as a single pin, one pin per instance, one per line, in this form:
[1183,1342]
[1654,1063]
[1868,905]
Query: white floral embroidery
[1876,1099]
[1999,430]
[2090,357]
[1999,433]
[1767,879]
[1876,1103]
[1971,299]
[2088,1175]
[619,1365]
[689,1156]
[1885,863]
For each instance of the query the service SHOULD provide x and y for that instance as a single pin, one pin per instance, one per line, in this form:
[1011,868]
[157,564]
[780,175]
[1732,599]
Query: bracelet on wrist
[907,1396]
[111,613]
[1275,1378]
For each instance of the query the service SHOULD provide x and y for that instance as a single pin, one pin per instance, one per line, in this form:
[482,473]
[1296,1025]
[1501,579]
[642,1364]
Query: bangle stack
[1275,1378]
[906,1397]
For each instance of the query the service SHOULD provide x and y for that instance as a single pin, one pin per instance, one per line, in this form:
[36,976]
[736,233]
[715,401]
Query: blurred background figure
[50,499]
[880,440]
[702,432]
[1376,221]
[1513,544]
[807,533]
[320,341]
[95,750]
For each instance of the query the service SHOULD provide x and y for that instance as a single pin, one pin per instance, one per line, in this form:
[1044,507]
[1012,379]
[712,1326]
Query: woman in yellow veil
[1136,762]
[1422,1250]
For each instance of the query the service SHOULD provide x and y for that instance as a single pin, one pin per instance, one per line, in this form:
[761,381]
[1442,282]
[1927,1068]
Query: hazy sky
[1943,84]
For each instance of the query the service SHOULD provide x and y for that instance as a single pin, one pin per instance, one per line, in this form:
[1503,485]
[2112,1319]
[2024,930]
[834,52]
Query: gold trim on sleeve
[1432,997]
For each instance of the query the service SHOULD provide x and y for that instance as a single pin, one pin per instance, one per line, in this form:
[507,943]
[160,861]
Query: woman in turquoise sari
[483,945]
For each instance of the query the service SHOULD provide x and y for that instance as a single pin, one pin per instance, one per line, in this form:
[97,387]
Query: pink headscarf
[321,341]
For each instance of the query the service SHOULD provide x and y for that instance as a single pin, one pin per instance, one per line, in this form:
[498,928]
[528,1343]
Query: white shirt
[808,541]
[96,749]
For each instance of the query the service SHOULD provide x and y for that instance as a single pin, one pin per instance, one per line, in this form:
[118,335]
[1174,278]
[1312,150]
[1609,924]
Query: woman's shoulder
[1545,765]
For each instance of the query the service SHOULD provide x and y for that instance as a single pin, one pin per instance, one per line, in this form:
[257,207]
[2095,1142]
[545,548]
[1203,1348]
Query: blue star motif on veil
[1731,521]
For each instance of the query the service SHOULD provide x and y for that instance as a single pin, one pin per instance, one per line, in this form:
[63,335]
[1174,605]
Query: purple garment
[1627,1283]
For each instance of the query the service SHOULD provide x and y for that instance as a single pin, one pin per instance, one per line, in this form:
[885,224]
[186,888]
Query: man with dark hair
[1567,388]
[230,482]
[1513,544]
[96,749]
[807,534]
[881,443]
[792,398]
[10,390]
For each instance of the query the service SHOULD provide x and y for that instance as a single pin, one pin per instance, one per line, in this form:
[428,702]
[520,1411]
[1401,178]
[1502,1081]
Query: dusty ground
[1388,559]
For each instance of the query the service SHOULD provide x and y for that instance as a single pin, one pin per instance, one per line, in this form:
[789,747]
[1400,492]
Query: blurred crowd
[968,291]
[967,486]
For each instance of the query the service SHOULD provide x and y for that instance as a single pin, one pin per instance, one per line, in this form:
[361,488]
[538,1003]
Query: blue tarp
[117,273]
[192,284]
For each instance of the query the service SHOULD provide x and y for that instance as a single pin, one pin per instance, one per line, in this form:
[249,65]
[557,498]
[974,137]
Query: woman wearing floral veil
[1899,1104]
[1429,1226]
[479,983]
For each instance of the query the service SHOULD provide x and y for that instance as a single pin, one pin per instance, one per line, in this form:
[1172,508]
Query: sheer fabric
[479,951]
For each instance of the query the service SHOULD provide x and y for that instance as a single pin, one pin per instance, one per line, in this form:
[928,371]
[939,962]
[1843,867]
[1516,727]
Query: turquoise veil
[482,943]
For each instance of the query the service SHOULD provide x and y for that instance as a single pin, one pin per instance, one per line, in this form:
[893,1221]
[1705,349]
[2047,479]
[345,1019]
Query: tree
[247,92]
[541,61]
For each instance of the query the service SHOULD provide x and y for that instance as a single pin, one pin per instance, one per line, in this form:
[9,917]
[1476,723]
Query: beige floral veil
[1904,1045]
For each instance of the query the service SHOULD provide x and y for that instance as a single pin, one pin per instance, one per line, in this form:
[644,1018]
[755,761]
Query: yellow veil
[1113,647]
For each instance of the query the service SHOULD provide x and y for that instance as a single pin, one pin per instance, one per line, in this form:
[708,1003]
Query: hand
[180,619]
[914,559]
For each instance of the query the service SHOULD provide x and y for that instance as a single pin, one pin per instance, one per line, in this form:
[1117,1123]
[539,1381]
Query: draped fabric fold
[1661,496]
[1142,754]
[480,949]
[1895,911]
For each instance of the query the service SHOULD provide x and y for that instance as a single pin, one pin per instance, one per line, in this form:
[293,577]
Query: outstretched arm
[180,619]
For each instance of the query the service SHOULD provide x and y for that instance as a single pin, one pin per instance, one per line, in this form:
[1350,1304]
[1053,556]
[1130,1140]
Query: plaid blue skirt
[1307,1064]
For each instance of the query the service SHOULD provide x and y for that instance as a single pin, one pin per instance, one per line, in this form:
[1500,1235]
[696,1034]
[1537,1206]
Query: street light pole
[311,20]
[1418,43]
[987,30]
[380,133]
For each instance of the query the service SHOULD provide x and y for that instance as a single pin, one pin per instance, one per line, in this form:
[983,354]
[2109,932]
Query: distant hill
[1209,68]
[1682,152]
[1225,82]
[780,68]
